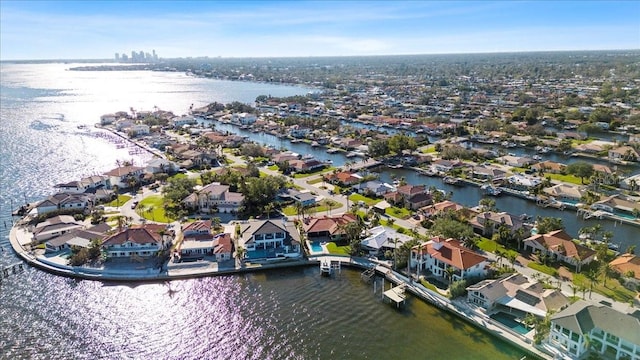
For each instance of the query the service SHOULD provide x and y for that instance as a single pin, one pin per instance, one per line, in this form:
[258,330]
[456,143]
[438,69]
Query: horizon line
[321,56]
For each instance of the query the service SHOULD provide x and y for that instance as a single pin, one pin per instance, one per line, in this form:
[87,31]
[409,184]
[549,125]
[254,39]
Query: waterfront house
[218,246]
[121,175]
[285,156]
[516,294]
[523,182]
[84,185]
[214,197]
[489,222]
[623,153]
[374,188]
[138,130]
[549,167]
[604,175]
[414,196]
[305,165]
[487,173]
[65,202]
[627,265]
[137,242]
[560,246]
[108,119]
[380,239]
[618,204]
[583,326]
[55,226]
[441,207]
[243,118]
[268,239]
[438,254]
[565,192]
[515,161]
[343,178]
[160,165]
[78,238]
[327,228]
[181,121]
[443,166]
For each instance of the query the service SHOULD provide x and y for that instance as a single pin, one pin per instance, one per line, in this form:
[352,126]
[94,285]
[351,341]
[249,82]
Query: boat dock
[11,269]
[395,294]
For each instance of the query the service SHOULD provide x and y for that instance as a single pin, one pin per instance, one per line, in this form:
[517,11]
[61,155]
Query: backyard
[152,208]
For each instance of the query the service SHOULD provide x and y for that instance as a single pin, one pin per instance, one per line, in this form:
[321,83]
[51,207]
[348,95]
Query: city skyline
[96,30]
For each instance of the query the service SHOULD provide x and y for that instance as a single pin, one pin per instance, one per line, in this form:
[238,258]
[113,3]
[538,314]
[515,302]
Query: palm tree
[606,271]
[511,256]
[240,253]
[116,190]
[574,288]
[592,276]
[268,209]
[450,271]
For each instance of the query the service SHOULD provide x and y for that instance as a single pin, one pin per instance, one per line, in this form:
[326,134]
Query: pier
[395,294]
[11,270]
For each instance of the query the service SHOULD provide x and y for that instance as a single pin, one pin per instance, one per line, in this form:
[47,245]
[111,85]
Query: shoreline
[457,308]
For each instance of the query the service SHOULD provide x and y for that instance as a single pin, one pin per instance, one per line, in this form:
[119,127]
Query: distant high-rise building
[117,57]
[125,58]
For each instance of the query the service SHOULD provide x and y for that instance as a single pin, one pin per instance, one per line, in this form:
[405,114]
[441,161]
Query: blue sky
[94,30]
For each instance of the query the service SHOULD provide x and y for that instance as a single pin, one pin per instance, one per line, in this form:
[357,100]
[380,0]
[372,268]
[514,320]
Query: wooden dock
[396,294]
[11,269]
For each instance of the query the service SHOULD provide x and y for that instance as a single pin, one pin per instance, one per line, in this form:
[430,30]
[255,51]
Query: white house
[218,246]
[244,118]
[214,196]
[160,165]
[264,239]
[438,254]
[382,238]
[107,119]
[65,201]
[516,294]
[608,331]
[120,175]
[84,185]
[180,121]
[136,242]
[139,129]
[55,226]
[77,237]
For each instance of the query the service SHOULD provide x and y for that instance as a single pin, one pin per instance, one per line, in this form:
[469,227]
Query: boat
[427,172]
[537,157]
[451,180]
[491,190]
[351,154]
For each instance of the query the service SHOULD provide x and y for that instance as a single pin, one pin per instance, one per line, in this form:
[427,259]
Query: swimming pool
[510,322]
[316,247]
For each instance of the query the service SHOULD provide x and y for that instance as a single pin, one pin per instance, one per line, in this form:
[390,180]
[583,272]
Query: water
[624,235]
[293,314]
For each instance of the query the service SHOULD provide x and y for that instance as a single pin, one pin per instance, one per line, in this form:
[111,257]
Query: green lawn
[429,286]
[564,178]
[155,210]
[273,167]
[492,246]
[367,200]
[319,171]
[314,181]
[118,202]
[543,268]
[338,250]
[397,212]
[613,290]
[429,150]
[178,176]
[324,205]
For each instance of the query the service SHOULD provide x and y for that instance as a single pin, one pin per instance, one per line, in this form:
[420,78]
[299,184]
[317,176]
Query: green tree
[548,224]
[451,228]
[581,169]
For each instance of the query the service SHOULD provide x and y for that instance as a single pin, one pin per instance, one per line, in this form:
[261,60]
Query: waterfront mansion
[438,254]
[583,326]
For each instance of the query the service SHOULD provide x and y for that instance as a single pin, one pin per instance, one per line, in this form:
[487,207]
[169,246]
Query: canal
[624,234]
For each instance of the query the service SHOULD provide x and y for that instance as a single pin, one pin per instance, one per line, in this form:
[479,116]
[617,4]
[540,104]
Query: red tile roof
[451,252]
